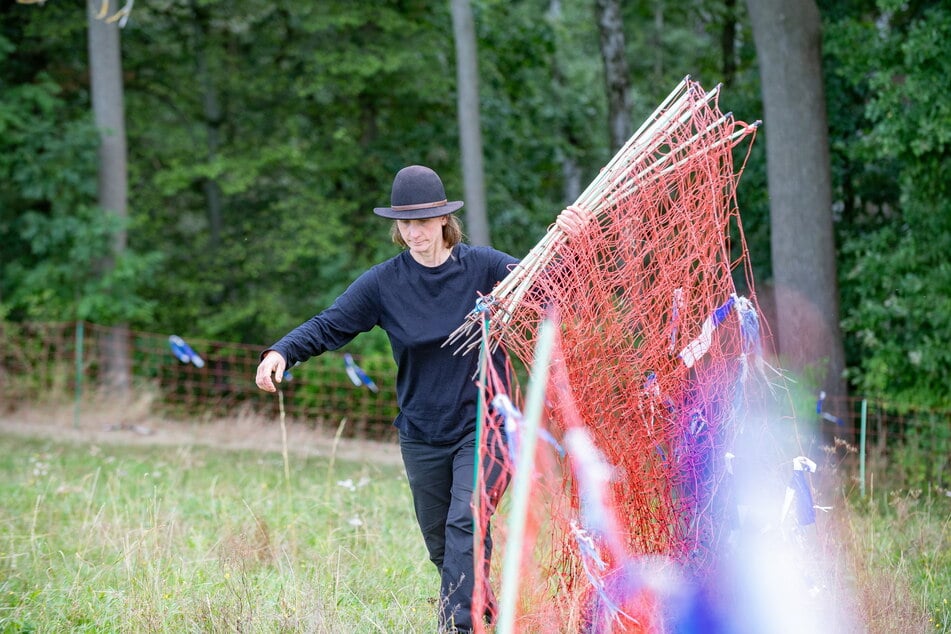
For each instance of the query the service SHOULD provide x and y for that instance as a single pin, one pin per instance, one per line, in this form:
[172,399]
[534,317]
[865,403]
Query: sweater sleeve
[356,310]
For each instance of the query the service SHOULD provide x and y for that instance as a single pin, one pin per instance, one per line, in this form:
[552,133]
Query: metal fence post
[864,422]
[79,373]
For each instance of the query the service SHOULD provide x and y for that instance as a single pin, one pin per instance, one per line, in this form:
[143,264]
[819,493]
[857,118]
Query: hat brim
[418,214]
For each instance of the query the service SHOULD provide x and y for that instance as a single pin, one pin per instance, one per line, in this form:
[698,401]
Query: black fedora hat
[417,193]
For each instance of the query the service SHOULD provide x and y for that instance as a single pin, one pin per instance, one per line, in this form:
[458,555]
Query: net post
[478,594]
[524,467]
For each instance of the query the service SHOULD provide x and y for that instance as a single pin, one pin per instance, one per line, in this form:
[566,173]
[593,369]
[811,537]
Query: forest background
[258,135]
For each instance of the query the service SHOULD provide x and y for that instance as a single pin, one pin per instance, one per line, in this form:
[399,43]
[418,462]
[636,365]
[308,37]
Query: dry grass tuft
[248,547]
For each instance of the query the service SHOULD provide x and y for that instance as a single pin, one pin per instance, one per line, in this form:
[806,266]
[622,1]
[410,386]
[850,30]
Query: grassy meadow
[185,537]
[108,538]
[899,543]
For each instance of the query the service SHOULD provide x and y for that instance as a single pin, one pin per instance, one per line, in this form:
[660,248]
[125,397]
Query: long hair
[451,232]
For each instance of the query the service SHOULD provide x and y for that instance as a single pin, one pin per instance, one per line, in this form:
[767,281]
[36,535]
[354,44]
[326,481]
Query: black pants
[441,478]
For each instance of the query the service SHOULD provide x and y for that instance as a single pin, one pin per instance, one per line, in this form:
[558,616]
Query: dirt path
[100,426]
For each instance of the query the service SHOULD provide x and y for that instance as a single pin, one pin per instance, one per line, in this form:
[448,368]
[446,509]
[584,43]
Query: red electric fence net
[655,357]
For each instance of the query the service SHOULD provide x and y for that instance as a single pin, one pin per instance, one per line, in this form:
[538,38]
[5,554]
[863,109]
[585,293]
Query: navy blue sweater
[418,307]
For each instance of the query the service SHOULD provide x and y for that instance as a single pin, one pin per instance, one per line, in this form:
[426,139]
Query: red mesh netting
[652,360]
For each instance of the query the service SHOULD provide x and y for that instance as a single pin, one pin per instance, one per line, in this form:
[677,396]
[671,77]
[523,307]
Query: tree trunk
[617,82]
[212,116]
[570,169]
[788,43]
[470,134]
[105,71]
[728,42]
[657,35]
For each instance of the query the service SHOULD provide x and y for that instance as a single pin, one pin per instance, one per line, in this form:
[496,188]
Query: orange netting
[653,361]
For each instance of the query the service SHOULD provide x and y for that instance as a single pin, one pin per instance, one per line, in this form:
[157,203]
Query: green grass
[902,539]
[109,538]
[131,539]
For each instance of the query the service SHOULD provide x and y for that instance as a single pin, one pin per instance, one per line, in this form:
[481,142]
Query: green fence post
[864,422]
[79,372]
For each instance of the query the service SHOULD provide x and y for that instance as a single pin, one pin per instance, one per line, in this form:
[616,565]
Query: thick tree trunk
[470,134]
[788,44]
[105,70]
[617,82]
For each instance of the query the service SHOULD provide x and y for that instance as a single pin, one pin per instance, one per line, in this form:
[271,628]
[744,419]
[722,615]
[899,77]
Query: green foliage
[898,311]
[922,460]
[896,277]
[261,135]
[318,106]
[57,244]
[532,121]
[666,41]
[62,284]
